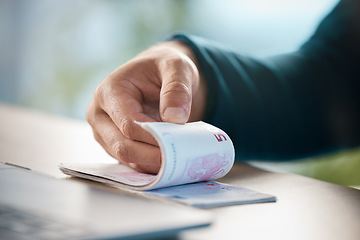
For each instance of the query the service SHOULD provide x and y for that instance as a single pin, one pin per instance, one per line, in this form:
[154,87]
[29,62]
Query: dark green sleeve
[293,105]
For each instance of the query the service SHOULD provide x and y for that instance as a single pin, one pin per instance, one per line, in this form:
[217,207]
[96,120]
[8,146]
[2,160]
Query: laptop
[37,206]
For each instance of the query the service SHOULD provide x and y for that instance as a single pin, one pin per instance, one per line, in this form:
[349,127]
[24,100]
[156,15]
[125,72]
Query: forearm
[288,106]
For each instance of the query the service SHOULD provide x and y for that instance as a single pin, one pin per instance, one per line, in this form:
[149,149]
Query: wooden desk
[306,208]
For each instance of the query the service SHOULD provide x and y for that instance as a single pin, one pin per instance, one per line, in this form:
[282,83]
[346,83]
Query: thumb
[175,102]
[176,93]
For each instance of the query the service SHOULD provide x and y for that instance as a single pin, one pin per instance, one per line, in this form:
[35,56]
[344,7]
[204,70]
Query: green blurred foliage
[342,167]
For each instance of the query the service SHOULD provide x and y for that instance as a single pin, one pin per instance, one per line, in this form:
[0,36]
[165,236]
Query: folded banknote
[191,152]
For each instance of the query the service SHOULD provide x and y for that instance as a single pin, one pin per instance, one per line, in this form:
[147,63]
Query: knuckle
[126,127]
[121,151]
[176,61]
[103,89]
[97,137]
[181,62]
[178,86]
[90,115]
[98,90]
[177,90]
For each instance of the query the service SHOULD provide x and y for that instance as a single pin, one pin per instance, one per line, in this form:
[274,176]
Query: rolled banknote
[191,152]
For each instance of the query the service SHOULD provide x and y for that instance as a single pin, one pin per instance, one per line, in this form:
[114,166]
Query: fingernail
[132,165]
[175,115]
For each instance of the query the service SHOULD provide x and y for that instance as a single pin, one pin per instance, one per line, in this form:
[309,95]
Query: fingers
[145,168]
[140,156]
[178,76]
[156,85]
[123,106]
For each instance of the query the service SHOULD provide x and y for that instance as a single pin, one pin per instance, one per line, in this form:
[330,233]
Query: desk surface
[306,208]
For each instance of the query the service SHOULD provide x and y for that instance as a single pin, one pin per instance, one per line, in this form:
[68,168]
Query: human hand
[162,83]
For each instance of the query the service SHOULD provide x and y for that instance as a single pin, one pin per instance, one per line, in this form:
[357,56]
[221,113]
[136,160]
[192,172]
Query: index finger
[123,106]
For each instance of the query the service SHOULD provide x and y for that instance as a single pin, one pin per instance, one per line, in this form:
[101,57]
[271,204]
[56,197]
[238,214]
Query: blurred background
[55,53]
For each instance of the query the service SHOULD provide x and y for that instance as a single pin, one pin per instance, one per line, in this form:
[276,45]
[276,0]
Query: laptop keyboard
[20,225]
